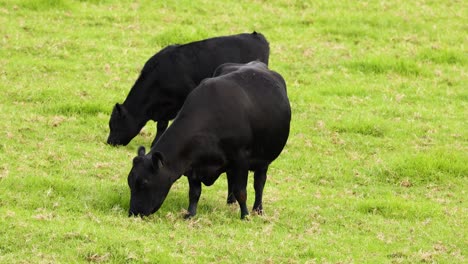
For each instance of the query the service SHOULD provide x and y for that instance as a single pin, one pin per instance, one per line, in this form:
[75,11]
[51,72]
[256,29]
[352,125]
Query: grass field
[375,169]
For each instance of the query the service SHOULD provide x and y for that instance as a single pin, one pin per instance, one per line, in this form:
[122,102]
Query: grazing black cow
[233,123]
[171,74]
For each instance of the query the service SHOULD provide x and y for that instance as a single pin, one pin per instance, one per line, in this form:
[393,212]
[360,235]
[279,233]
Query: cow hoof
[245,218]
[231,199]
[188,216]
[257,211]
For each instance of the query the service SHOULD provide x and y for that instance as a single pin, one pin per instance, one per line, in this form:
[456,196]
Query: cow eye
[142,183]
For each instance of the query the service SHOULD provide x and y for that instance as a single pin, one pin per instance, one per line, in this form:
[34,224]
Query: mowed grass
[375,169]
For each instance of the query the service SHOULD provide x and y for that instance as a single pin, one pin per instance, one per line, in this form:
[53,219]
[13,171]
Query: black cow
[233,123]
[171,74]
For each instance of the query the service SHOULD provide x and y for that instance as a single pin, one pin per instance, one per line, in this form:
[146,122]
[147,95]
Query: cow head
[149,183]
[123,126]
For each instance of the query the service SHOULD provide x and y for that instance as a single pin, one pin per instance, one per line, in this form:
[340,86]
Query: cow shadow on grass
[116,200]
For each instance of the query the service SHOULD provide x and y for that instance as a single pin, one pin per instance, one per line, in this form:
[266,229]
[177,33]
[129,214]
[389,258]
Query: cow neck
[171,145]
[137,111]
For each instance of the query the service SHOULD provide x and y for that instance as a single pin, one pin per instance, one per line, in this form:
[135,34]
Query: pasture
[374,171]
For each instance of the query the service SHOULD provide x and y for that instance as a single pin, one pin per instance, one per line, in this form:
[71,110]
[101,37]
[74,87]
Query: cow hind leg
[259,183]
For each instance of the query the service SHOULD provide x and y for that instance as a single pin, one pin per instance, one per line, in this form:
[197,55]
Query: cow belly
[207,175]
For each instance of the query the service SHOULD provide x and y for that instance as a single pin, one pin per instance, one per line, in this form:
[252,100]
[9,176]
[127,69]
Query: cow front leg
[239,176]
[259,183]
[194,196]
[160,128]
[230,196]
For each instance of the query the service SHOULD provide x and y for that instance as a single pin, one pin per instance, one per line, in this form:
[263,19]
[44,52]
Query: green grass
[375,169]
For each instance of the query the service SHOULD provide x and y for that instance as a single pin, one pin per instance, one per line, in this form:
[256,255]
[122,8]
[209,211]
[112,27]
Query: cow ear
[158,160]
[119,110]
[141,151]
[137,160]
